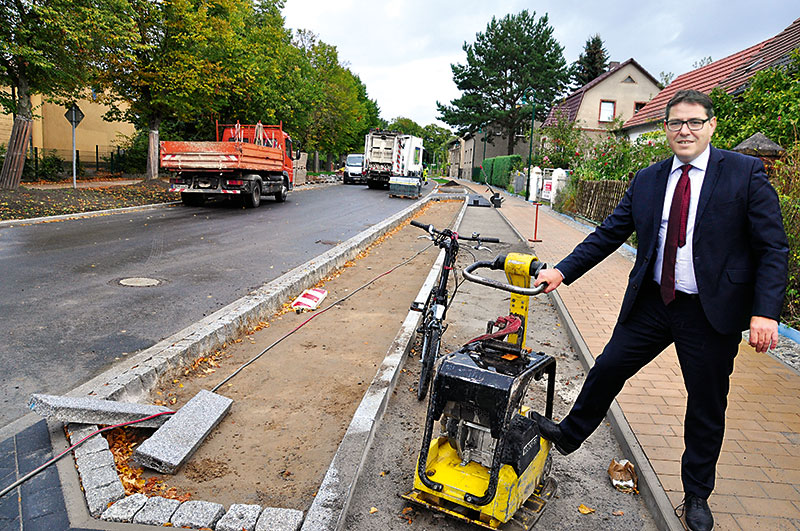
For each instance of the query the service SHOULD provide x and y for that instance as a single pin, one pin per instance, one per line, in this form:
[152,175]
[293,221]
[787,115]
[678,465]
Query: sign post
[74,116]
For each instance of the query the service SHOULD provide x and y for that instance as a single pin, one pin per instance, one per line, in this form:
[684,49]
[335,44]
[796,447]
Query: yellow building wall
[51,130]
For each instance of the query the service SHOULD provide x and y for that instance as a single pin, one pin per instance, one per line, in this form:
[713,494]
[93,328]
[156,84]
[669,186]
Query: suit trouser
[706,360]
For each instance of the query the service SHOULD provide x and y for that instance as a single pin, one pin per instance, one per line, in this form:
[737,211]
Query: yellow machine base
[524,519]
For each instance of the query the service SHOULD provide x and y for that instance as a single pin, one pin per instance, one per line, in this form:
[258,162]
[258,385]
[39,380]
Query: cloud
[402,49]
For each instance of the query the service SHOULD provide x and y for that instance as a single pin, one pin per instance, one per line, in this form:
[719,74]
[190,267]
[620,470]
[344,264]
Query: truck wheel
[280,197]
[193,199]
[253,199]
[372,185]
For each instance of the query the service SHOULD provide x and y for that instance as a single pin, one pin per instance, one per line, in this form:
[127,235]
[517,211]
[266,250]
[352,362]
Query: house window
[628,79]
[607,109]
[637,106]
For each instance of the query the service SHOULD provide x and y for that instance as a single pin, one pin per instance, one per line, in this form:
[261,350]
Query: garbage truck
[390,154]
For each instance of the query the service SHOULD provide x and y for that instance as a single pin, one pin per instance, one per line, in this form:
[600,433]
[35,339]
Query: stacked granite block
[96,468]
[159,511]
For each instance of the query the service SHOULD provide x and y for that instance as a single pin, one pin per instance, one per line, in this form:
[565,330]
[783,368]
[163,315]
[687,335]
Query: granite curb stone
[175,442]
[94,478]
[273,519]
[98,498]
[125,509]
[156,511]
[197,514]
[240,517]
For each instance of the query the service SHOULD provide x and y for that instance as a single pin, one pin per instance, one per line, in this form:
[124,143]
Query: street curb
[328,511]
[655,497]
[84,215]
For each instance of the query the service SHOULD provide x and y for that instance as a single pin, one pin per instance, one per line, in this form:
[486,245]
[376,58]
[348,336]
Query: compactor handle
[498,264]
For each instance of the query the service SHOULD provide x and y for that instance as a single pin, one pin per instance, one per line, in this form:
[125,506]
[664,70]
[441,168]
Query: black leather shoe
[552,432]
[698,514]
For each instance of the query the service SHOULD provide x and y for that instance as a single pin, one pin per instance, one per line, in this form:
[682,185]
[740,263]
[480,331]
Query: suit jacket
[740,250]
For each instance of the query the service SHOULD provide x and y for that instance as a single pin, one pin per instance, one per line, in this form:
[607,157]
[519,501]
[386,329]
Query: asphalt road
[65,317]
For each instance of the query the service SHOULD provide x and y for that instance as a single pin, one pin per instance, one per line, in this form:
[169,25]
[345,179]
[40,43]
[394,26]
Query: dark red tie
[676,233]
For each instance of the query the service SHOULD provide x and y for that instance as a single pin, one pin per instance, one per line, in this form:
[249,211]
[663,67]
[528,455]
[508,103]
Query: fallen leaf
[618,513]
[373,510]
[585,510]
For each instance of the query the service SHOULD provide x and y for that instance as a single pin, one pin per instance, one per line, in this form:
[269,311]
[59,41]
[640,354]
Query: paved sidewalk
[758,475]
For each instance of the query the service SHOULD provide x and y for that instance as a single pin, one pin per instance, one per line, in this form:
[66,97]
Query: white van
[353,169]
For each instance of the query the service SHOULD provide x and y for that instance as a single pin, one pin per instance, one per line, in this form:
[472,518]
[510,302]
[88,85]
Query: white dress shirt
[684,266]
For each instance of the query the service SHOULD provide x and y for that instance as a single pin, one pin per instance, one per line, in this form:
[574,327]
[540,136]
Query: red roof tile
[729,73]
[773,52]
[703,79]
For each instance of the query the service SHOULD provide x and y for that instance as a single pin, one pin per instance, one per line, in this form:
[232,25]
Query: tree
[435,139]
[516,56]
[46,48]
[178,65]
[665,78]
[591,63]
[407,126]
[702,62]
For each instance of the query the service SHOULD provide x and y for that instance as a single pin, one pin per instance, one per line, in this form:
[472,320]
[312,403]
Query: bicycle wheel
[430,351]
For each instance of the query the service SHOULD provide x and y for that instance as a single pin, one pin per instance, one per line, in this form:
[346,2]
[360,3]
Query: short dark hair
[691,96]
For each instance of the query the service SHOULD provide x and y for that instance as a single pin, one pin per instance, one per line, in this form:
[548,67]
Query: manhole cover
[140,282]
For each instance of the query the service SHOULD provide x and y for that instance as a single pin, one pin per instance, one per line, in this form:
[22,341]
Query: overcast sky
[402,49]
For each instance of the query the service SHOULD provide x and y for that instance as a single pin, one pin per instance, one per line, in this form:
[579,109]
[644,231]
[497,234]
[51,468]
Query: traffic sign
[74,115]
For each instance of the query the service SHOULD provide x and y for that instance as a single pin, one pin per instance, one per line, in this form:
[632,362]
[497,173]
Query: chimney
[612,65]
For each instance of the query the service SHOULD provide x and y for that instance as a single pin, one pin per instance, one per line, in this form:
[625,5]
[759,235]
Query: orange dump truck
[248,161]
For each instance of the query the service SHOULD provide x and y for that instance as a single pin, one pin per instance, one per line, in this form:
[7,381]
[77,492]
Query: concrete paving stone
[99,498]
[32,447]
[147,374]
[44,504]
[174,443]
[130,382]
[93,461]
[275,519]
[78,431]
[197,514]
[125,509]
[89,410]
[98,477]
[108,392]
[156,511]
[95,444]
[240,517]
[9,509]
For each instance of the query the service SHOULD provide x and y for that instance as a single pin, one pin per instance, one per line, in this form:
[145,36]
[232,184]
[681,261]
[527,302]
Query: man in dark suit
[711,262]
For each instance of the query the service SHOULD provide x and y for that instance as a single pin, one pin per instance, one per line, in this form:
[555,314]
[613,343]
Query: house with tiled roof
[620,92]
[730,73]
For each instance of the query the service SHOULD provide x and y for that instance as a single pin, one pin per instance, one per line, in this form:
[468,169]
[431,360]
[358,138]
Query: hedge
[497,170]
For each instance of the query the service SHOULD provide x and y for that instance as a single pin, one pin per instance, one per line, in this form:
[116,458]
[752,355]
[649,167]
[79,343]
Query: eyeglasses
[695,124]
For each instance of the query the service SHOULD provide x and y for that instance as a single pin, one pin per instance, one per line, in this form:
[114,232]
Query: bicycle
[434,311]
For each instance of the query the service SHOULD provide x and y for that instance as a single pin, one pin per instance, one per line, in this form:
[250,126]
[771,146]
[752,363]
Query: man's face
[685,143]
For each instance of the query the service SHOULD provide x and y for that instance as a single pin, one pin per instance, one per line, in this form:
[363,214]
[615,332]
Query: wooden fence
[597,199]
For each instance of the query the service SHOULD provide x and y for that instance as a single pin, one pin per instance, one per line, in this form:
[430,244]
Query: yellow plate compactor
[489,466]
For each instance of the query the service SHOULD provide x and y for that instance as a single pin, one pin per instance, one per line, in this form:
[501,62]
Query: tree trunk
[512,141]
[152,149]
[14,163]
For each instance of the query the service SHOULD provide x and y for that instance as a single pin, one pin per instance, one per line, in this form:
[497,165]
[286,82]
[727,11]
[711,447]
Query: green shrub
[497,170]
[787,184]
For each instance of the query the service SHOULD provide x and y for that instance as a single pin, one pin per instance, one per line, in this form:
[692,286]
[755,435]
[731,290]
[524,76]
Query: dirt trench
[292,406]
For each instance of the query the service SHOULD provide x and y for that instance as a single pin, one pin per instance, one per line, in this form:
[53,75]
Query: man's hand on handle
[553,277]
[763,333]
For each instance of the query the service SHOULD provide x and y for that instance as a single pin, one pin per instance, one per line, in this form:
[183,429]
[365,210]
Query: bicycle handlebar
[433,230]
[498,264]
